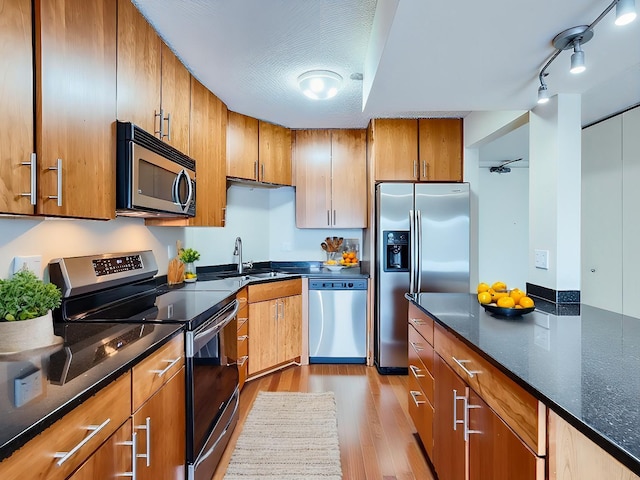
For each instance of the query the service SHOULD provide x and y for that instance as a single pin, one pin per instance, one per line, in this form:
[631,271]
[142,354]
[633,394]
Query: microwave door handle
[189,190]
[176,189]
[175,193]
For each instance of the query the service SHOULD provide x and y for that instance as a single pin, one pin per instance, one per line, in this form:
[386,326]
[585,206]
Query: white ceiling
[419,58]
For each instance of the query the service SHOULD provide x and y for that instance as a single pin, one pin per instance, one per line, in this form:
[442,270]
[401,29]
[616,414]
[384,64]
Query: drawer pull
[147,428]
[461,363]
[415,371]
[171,364]
[467,431]
[418,322]
[134,454]
[416,347]
[457,397]
[414,394]
[242,338]
[242,360]
[94,429]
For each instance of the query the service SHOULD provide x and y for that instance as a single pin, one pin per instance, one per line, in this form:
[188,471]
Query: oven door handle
[206,332]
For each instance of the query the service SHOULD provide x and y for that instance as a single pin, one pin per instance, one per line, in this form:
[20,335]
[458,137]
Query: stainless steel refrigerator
[422,245]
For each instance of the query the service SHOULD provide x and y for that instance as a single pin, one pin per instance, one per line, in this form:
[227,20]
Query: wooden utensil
[175,269]
[324,246]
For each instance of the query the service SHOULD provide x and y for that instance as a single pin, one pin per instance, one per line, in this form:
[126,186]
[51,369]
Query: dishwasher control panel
[330,284]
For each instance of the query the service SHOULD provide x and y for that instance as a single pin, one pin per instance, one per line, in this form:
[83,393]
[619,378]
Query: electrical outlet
[171,251]
[542,259]
[27,388]
[31,262]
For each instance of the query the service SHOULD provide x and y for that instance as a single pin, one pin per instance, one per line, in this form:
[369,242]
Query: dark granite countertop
[584,367]
[89,357]
[311,269]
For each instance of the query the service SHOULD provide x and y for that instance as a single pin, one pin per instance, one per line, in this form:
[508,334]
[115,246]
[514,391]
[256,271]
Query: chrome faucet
[238,251]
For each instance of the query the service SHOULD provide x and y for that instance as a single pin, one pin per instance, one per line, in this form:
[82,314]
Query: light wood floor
[377,438]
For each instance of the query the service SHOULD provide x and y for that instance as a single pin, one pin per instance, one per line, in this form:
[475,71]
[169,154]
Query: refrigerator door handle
[412,265]
[419,251]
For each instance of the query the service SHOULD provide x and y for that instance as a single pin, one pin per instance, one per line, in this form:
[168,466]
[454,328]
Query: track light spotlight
[625,12]
[577,58]
[543,94]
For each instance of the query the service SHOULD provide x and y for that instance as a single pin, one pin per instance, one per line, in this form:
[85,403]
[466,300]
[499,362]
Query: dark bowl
[507,312]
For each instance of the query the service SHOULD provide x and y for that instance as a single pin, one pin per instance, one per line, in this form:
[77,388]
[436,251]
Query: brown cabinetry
[76,105]
[17,189]
[275,324]
[416,150]
[330,178]
[257,150]
[243,336]
[153,85]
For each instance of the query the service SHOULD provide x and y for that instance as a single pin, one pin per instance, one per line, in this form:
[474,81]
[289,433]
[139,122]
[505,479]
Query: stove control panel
[107,266]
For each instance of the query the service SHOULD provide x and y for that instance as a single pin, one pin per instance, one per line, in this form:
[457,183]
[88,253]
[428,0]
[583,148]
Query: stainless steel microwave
[153,179]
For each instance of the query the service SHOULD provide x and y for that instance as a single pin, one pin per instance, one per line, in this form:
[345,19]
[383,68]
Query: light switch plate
[27,388]
[31,262]
[542,259]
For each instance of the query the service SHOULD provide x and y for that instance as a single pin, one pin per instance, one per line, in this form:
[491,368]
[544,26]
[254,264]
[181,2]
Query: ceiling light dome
[320,84]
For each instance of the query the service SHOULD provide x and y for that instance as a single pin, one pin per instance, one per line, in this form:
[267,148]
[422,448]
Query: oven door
[212,391]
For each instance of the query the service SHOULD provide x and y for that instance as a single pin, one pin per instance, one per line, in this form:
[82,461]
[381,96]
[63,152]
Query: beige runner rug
[288,436]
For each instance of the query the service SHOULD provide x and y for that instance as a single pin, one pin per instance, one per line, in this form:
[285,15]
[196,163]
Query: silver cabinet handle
[58,168]
[94,429]
[276,310]
[416,347]
[32,194]
[414,394]
[418,322]
[242,338]
[282,309]
[134,453]
[415,371]
[171,364]
[328,217]
[242,360]
[262,169]
[461,363]
[255,170]
[334,217]
[168,134]
[160,117]
[147,427]
[415,169]
[467,431]
[457,397]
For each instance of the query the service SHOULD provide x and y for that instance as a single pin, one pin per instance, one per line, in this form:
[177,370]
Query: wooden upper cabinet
[139,69]
[440,149]
[395,147]
[76,107]
[175,100]
[16,108]
[153,85]
[330,178]
[259,151]
[274,153]
[424,150]
[242,146]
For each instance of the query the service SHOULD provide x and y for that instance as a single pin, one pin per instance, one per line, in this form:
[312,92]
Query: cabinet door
[176,96]
[289,328]
[275,153]
[160,426]
[450,448]
[75,131]
[138,69]
[312,156]
[496,452]
[242,146]
[440,149]
[16,106]
[349,178]
[263,336]
[111,460]
[395,144]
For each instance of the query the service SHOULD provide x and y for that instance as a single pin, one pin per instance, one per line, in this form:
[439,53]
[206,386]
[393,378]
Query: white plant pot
[18,336]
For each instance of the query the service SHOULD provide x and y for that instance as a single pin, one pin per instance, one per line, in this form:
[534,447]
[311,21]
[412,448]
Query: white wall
[265,220]
[53,238]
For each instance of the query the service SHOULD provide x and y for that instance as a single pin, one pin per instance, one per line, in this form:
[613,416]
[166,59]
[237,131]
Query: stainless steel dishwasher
[337,320]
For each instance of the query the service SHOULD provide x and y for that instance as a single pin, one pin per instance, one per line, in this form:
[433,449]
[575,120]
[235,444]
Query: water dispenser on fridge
[396,250]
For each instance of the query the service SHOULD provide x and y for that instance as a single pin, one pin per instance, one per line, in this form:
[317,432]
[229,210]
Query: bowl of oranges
[500,300]
[349,258]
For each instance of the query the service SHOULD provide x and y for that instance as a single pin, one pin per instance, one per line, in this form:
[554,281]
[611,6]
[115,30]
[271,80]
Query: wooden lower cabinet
[160,427]
[275,324]
[242,352]
[112,459]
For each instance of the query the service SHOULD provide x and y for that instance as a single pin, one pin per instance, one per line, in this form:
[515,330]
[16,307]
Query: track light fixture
[575,37]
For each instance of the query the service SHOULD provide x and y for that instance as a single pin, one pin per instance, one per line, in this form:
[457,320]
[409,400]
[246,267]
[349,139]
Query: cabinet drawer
[77,435]
[421,322]
[155,370]
[422,413]
[272,290]
[421,353]
[517,408]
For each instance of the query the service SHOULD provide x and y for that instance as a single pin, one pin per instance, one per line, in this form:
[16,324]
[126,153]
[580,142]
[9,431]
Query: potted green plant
[188,256]
[25,312]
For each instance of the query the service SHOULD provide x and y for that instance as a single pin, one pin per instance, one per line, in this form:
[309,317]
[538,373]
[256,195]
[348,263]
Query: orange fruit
[499,286]
[352,255]
[506,302]
[482,287]
[484,297]
[495,296]
[526,302]
[516,294]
